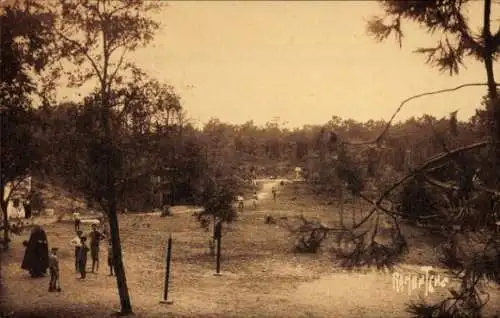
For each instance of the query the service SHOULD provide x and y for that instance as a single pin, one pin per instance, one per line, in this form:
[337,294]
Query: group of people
[37,259]
[241,201]
[81,251]
[255,199]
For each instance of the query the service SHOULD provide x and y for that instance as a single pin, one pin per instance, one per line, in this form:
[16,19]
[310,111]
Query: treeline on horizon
[179,154]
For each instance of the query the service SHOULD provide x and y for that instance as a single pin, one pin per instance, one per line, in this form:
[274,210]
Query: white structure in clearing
[18,192]
[298,173]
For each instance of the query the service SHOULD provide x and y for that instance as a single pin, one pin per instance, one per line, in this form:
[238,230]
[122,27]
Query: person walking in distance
[77,243]
[82,258]
[274,193]
[54,284]
[95,240]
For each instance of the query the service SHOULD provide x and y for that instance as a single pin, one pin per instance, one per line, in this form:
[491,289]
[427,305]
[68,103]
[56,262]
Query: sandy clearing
[256,280]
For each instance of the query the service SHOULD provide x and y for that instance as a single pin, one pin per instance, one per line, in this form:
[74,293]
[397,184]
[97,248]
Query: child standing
[241,203]
[95,240]
[76,218]
[110,258]
[54,284]
[82,258]
[255,198]
[77,243]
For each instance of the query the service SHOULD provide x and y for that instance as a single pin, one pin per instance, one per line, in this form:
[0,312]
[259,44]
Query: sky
[301,61]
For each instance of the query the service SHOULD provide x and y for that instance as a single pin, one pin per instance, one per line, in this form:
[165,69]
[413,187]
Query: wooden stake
[167,273]
[341,206]
[353,210]
[218,234]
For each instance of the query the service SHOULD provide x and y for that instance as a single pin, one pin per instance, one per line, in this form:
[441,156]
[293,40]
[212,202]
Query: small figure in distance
[255,198]
[166,210]
[241,203]
[77,220]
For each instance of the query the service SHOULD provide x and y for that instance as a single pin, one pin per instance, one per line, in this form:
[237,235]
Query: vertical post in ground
[353,210]
[218,234]
[341,207]
[167,272]
[360,207]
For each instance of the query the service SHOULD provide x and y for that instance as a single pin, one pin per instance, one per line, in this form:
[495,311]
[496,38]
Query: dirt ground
[261,277]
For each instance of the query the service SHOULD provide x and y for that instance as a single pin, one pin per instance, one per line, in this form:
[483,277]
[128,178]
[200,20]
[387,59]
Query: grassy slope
[261,278]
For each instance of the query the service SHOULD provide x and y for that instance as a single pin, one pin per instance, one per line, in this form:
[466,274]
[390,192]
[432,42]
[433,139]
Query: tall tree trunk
[111,166]
[121,280]
[489,49]
[493,103]
[4,204]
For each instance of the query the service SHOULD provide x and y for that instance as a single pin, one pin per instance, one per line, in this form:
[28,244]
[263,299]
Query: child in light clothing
[77,243]
[54,284]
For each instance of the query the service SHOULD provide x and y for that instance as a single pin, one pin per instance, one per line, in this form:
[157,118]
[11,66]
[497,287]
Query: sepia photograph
[258,159]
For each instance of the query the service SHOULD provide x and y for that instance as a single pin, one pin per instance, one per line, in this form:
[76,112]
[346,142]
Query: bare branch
[386,129]
[451,187]
[440,184]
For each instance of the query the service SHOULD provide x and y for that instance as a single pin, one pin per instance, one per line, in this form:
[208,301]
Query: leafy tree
[25,51]
[216,195]
[457,42]
[96,36]
[221,180]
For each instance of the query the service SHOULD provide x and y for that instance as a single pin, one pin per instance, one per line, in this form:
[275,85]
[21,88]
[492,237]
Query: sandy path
[262,194]
[267,186]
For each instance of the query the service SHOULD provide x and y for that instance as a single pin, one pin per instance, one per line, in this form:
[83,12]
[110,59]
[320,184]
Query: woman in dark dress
[36,256]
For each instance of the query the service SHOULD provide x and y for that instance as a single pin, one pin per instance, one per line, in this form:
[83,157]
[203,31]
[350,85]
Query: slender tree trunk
[111,165]
[488,52]
[4,204]
[213,230]
[493,106]
[121,280]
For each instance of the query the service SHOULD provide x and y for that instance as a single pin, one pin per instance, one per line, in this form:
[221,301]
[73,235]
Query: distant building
[19,193]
